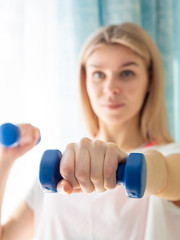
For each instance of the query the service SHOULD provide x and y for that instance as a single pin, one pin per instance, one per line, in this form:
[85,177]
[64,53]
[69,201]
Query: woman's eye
[98,75]
[127,74]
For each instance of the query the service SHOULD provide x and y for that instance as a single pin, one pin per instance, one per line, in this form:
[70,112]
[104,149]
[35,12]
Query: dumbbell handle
[10,135]
[134,181]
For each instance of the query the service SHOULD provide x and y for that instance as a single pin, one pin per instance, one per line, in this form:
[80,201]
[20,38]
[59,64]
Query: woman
[121,83]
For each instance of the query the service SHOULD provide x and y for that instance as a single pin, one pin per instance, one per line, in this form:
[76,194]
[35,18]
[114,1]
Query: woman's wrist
[157,172]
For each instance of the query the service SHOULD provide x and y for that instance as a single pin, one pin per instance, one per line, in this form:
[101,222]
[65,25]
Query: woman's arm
[91,165]
[20,226]
[17,227]
[163,178]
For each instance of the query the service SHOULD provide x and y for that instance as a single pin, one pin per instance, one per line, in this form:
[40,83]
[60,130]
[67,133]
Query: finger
[83,164]
[29,134]
[113,156]
[97,150]
[64,187]
[67,165]
[110,166]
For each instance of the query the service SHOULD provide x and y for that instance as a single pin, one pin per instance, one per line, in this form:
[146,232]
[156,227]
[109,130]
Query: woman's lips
[113,106]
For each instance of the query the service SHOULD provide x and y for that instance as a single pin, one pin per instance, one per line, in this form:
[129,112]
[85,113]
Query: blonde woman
[122,96]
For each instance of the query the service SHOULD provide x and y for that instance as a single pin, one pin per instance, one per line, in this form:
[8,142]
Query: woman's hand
[90,165]
[29,136]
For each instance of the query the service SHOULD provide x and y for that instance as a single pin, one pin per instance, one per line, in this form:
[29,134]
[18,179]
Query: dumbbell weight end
[49,175]
[133,175]
[9,135]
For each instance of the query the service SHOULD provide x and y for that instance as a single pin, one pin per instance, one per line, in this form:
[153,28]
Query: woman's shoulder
[168,148]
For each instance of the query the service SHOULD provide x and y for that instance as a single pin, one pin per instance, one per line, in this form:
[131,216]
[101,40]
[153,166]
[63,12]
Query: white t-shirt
[104,216]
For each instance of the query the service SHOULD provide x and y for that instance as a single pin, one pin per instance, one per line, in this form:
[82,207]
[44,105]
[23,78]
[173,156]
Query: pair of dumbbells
[132,174]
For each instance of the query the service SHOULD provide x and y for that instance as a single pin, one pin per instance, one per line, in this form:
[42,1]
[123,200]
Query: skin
[117,83]
[20,225]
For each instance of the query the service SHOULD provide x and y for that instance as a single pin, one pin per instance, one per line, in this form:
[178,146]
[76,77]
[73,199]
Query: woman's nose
[111,87]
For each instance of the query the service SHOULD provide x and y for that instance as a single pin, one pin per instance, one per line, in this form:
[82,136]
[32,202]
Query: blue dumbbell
[10,135]
[132,173]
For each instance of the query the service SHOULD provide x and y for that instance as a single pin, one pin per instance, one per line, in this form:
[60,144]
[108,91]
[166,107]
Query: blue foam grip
[132,174]
[9,135]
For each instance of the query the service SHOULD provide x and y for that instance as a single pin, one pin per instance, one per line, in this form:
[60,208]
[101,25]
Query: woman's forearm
[4,172]
[163,179]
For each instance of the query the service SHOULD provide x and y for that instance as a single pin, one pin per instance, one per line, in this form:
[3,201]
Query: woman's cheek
[131,91]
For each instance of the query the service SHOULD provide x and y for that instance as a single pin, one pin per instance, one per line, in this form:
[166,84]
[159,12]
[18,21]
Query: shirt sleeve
[34,195]
[168,149]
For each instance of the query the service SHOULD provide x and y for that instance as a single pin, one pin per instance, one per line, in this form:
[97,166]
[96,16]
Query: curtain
[40,42]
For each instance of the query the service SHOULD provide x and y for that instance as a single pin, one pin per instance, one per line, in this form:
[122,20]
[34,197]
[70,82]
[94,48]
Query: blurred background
[40,42]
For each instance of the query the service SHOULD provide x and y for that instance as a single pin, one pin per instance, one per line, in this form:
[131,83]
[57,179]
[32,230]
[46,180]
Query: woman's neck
[127,135]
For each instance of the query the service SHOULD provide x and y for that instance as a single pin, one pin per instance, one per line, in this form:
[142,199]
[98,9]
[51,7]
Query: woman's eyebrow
[94,65]
[123,65]
[129,64]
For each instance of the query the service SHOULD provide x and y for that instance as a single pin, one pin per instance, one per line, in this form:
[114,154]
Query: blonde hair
[153,119]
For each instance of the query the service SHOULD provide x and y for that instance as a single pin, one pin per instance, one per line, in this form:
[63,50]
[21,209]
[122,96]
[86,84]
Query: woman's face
[117,83]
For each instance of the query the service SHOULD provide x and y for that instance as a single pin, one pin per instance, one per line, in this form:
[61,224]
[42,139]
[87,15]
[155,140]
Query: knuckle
[110,185]
[84,142]
[101,189]
[95,177]
[66,170]
[70,146]
[81,174]
[98,184]
[97,144]
[108,173]
[88,189]
[112,147]
[28,126]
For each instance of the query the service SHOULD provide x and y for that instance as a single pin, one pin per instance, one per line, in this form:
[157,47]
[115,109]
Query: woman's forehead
[113,54]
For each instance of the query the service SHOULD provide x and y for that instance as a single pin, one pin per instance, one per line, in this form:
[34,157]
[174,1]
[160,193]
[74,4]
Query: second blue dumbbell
[132,174]
[10,135]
